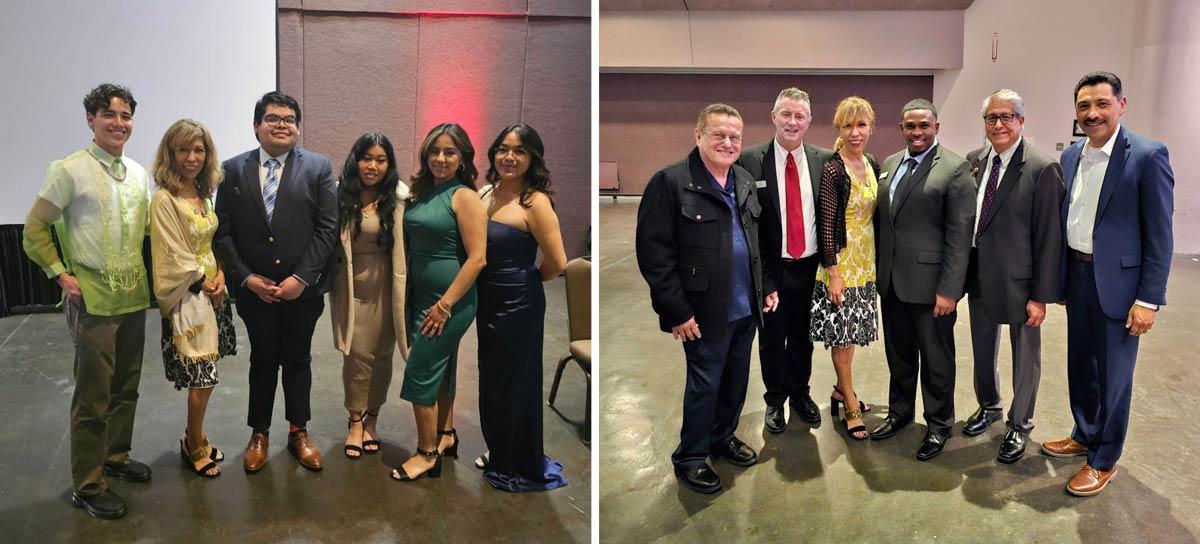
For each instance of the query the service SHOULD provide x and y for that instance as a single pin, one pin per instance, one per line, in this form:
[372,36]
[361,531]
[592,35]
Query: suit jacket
[684,245]
[301,236]
[1132,237]
[759,161]
[924,237]
[1020,241]
[341,273]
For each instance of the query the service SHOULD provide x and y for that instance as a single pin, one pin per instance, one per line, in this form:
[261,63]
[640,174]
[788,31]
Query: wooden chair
[579,319]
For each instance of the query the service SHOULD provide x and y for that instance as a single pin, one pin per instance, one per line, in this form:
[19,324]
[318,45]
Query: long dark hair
[422,181]
[350,189]
[537,178]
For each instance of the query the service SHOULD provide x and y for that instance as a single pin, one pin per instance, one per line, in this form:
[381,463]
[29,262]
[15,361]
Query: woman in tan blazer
[369,271]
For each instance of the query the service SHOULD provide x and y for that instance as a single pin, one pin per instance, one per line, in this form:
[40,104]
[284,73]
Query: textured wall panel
[557,91]
[646,120]
[471,72]
[359,78]
[291,61]
[561,8]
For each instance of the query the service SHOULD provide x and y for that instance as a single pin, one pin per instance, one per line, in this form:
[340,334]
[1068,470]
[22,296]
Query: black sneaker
[106,505]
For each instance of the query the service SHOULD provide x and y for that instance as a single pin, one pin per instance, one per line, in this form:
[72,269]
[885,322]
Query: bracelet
[443,308]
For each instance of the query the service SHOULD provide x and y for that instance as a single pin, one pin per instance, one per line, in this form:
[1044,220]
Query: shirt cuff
[55,269]
[301,280]
[1146,305]
[246,279]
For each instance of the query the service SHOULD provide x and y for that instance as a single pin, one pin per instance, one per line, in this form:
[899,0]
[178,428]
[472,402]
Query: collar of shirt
[103,156]
[919,158]
[1004,157]
[263,157]
[1103,152]
[797,154]
[729,182]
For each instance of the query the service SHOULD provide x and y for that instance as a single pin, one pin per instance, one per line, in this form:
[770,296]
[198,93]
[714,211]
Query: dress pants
[718,371]
[785,350]
[917,343]
[108,369]
[1027,364]
[280,338]
[1100,360]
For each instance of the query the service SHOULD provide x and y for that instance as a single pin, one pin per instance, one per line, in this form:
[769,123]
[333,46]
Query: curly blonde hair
[166,171]
[849,110]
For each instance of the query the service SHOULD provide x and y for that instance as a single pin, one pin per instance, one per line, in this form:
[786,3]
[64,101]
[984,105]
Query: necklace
[369,209]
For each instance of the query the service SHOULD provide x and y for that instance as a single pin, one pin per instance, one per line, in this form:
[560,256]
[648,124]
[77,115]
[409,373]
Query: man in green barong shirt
[98,200]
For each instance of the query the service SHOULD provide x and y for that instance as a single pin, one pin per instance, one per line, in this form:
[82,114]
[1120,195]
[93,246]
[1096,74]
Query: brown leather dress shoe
[304,450]
[1089,481]
[256,453]
[1066,447]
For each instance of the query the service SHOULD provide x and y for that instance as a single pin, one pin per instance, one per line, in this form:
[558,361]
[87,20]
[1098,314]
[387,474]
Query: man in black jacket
[697,248]
[787,173]
[278,222]
[1014,267]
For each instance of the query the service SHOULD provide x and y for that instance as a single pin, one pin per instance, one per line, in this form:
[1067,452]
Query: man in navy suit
[1117,226]
[278,222]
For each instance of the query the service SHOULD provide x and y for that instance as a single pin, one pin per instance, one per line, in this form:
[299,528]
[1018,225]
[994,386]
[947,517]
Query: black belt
[800,260]
[1079,256]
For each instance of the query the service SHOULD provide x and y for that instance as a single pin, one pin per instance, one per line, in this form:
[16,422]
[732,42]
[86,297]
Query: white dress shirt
[263,157]
[1005,158]
[809,208]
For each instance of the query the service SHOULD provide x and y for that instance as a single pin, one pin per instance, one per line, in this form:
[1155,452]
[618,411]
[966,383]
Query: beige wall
[832,40]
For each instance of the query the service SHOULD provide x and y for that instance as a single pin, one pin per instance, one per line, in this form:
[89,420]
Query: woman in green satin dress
[445,233]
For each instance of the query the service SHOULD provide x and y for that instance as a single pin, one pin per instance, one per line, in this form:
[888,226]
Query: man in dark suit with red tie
[1117,225]
[788,235]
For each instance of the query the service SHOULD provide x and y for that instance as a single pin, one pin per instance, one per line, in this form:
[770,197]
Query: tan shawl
[175,267]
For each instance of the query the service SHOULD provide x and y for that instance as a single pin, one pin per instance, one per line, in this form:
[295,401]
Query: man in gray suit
[1014,267]
[924,216]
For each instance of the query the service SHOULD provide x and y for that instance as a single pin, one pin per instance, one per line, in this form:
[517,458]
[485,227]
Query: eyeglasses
[272,119]
[721,136]
[1006,118]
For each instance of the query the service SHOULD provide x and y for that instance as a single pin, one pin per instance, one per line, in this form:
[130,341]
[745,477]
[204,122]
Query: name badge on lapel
[883,176]
[760,184]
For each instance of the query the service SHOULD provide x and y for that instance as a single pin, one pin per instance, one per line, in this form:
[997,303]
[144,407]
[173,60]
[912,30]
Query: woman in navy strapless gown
[512,311]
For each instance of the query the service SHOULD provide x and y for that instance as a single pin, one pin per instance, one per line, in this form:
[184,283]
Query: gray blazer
[1020,241]
[924,237]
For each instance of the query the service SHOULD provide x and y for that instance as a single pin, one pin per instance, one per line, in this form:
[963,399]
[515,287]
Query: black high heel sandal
[862,406]
[351,448]
[452,451]
[191,458]
[372,445]
[860,428]
[434,472]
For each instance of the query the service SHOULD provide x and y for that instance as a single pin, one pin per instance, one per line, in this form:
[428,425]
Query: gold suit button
[271,239]
[276,261]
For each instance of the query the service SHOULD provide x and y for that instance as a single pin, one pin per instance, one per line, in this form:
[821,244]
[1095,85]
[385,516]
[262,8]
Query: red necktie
[795,209]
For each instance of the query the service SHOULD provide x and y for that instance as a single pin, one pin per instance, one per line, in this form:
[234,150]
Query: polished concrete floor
[816,485]
[350,501]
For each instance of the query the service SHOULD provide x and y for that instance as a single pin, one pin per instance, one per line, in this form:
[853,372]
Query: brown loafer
[304,450]
[1090,481]
[256,453]
[1066,447]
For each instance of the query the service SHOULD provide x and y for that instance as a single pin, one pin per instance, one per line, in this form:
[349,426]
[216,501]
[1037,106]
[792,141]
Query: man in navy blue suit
[1117,226]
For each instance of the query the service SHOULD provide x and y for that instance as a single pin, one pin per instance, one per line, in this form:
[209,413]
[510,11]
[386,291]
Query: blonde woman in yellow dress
[844,310]
[197,325]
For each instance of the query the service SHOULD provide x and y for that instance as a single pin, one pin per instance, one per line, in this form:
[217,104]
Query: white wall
[206,60]
[1044,48]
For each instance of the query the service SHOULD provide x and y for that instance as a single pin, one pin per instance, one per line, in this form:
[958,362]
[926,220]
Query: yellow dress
[855,323]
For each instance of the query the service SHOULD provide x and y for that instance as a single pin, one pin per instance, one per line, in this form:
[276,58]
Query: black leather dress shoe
[106,505]
[775,422]
[981,420]
[807,409]
[130,471]
[889,427]
[737,452]
[700,479]
[1013,446]
[931,447]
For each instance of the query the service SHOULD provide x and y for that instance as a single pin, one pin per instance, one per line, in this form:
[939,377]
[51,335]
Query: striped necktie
[271,187]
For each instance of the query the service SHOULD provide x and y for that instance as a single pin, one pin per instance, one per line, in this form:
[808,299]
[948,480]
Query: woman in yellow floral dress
[844,306]
[197,325]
